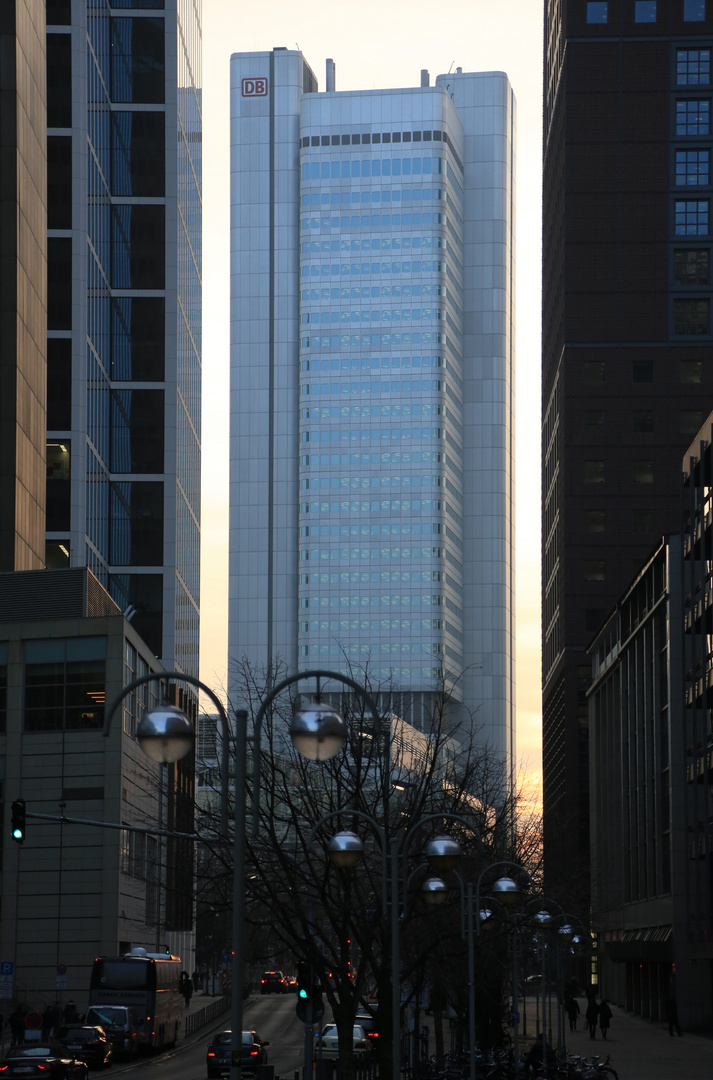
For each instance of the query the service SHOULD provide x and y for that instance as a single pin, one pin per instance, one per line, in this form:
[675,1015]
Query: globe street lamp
[167,734]
[345,850]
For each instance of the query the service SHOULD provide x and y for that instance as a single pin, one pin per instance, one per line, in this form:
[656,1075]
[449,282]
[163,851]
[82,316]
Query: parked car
[327,1044]
[88,1043]
[121,1025]
[253,1053]
[38,1059]
[367,1020]
[273,982]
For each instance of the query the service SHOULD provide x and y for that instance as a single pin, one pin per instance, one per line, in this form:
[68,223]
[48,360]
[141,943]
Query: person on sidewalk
[592,1015]
[605,1015]
[672,1015]
[572,1009]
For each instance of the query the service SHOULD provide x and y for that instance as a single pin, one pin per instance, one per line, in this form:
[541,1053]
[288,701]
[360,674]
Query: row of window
[364,139]
[372,506]
[373,363]
[396,457]
[372,434]
[346,169]
[642,371]
[384,386]
[368,315]
[646,11]
[366,292]
[641,520]
[693,116]
[368,221]
[375,577]
[379,481]
[340,341]
[366,650]
[642,471]
[377,195]
[336,412]
[417,266]
[371,600]
[395,528]
[339,626]
[376,243]
[350,554]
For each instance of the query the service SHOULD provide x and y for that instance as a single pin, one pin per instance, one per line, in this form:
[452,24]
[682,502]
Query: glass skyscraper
[372,376]
[124,315]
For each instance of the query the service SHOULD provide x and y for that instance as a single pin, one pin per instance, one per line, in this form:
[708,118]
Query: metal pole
[515,1016]
[395,965]
[471,986]
[236,1002]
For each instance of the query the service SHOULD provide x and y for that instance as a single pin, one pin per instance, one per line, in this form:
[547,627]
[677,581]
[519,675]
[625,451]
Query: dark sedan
[91,1044]
[40,1058]
[253,1053]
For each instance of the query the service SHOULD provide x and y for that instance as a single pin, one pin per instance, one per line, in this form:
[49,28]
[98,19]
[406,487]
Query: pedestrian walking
[186,987]
[71,1016]
[573,1011]
[672,1014]
[592,1015]
[605,1015]
[17,1026]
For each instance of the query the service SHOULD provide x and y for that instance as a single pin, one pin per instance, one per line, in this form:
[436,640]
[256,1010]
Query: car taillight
[211,1052]
[254,1053]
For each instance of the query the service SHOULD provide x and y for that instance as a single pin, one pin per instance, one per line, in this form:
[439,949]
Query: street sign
[7,979]
[61,969]
[61,982]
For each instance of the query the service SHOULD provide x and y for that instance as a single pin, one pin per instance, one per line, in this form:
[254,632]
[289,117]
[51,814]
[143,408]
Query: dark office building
[627,371]
[124,308]
[23,284]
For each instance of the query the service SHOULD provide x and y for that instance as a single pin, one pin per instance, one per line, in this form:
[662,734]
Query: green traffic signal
[18,820]
[302,993]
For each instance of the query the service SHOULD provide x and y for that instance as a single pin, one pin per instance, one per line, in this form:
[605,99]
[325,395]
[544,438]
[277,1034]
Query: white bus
[148,983]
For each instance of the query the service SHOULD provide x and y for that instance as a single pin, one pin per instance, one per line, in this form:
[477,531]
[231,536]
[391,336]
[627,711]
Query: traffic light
[18,820]
[304,982]
[310,1007]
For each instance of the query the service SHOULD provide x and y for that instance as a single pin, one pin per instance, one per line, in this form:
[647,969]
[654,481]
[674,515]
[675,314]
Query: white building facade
[372,368]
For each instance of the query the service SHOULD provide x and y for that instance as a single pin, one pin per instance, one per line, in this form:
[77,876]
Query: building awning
[651,943]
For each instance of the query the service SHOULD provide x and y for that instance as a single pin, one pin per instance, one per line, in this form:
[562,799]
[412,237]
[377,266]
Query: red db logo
[254,87]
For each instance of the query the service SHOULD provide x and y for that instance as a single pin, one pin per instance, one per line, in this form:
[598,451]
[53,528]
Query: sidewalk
[640,1049]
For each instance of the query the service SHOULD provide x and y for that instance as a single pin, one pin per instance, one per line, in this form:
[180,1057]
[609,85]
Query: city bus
[147,983]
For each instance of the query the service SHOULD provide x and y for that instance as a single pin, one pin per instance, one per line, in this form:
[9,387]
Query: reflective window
[694,10]
[136,536]
[57,554]
[597,11]
[643,521]
[691,217]
[138,338]
[137,60]
[691,371]
[138,247]
[594,521]
[693,67]
[594,570]
[643,472]
[642,371]
[594,420]
[58,486]
[59,80]
[594,472]
[138,153]
[64,684]
[143,593]
[642,421]
[59,384]
[59,181]
[691,266]
[137,429]
[645,11]
[691,316]
[692,167]
[59,12]
[59,283]
[693,116]
[690,420]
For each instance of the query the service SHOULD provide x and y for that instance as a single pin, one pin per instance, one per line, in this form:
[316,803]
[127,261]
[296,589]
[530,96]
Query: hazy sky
[377,44]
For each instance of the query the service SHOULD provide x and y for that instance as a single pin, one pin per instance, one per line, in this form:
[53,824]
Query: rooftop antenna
[450,69]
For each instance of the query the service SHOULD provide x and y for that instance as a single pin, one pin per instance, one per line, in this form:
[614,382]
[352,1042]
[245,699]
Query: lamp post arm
[267,702]
[178,676]
[424,821]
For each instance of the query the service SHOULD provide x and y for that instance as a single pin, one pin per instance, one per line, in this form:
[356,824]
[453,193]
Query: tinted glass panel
[691,266]
[59,384]
[143,592]
[138,67]
[59,182]
[137,523]
[59,283]
[59,80]
[58,486]
[138,153]
[138,338]
[59,12]
[137,427]
[138,241]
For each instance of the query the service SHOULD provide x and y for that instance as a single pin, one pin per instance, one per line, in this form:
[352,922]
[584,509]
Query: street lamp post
[166,734]
[346,849]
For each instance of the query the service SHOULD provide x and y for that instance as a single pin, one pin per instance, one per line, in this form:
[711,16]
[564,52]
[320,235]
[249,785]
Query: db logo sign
[254,87]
